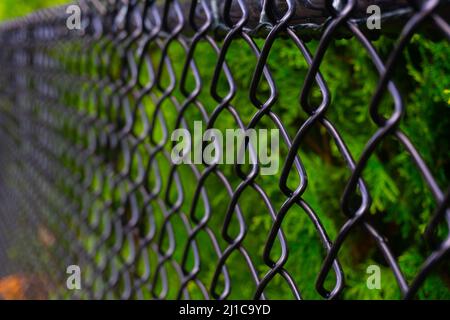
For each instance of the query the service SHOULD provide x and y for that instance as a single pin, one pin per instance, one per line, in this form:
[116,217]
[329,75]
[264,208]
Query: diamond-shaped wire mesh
[86,172]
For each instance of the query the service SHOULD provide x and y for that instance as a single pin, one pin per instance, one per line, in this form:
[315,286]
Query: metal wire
[86,172]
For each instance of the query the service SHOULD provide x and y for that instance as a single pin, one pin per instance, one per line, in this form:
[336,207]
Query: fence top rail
[308,18]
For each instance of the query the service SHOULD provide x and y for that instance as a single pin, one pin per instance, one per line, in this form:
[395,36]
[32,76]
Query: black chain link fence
[86,172]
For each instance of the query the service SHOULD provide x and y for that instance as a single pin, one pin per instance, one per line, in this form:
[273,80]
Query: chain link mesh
[86,173]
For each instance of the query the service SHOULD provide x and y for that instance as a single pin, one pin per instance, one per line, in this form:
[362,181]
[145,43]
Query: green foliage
[10,9]
[402,204]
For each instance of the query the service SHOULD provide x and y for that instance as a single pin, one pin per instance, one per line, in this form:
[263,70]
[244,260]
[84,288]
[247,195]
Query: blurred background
[17,286]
